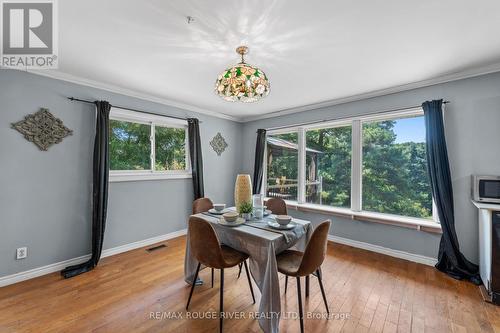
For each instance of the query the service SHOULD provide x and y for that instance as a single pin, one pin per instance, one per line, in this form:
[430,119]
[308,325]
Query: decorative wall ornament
[42,128]
[218,144]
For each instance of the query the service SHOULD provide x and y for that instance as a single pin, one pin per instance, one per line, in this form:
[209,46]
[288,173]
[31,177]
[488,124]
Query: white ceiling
[312,50]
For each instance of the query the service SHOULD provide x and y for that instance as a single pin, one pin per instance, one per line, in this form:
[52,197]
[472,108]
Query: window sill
[400,221]
[132,176]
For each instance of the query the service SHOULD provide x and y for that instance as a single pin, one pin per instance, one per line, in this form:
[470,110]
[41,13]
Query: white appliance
[489,250]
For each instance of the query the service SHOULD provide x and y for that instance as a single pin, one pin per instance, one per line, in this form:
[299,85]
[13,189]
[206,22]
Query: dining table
[262,243]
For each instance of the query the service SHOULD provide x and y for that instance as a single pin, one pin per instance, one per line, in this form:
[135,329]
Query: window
[143,146]
[170,148]
[328,166]
[395,178]
[366,165]
[282,166]
[129,146]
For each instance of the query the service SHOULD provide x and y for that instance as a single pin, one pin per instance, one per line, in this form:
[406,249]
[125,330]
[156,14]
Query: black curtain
[196,158]
[100,190]
[450,260]
[258,168]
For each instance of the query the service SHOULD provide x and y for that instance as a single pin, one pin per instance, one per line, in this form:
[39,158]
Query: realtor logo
[29,36]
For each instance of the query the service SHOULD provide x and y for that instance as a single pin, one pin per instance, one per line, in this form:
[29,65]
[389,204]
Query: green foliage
[334,165]
[170,148]
[130,147]
[245,207]
[395,178]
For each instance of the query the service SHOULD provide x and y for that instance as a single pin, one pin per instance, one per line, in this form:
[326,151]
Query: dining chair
[297,264]
[206,248]
[277,206]
[202,205]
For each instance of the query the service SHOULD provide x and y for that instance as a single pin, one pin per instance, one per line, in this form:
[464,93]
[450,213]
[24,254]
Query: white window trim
[355,212]
[152,121]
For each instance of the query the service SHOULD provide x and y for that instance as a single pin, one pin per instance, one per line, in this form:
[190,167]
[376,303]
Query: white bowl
[283,219]
[230,216]
[219,207]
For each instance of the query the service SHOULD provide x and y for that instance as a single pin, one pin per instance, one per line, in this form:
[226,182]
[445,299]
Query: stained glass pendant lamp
[242,82]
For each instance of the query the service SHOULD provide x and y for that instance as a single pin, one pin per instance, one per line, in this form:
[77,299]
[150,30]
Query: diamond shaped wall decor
[218,144]
[42,128]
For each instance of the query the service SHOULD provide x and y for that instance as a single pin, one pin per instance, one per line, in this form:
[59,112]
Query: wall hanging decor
[42,128]
[218,144]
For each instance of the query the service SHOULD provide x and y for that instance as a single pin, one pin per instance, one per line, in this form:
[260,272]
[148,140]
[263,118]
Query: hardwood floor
[123,294]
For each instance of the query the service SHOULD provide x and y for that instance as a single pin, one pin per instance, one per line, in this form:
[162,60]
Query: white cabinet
[489,249]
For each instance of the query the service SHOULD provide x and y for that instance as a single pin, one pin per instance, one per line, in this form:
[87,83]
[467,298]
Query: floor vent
[154,248]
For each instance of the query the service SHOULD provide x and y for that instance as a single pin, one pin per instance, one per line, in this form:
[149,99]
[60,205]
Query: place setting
[281,222]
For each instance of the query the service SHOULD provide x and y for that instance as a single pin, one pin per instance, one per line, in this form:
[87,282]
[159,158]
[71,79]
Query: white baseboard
[384,250]
[39,271]
[58,266]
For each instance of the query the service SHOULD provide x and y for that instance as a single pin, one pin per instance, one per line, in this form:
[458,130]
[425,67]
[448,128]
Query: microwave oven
[486,188]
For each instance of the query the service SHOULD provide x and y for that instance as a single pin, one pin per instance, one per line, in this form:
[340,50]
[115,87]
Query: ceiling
[313,51]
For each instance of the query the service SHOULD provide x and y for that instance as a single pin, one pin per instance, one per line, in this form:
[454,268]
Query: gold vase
[242,190]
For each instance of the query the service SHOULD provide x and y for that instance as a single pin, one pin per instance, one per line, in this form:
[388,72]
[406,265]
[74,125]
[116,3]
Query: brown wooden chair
[277,206]
[206,248]
[297,264]
[202,205]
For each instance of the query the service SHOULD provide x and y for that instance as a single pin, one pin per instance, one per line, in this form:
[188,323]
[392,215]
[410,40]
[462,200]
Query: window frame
[152,121]
[355,211]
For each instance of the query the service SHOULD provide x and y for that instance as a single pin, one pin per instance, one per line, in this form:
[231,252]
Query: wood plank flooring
[136,290]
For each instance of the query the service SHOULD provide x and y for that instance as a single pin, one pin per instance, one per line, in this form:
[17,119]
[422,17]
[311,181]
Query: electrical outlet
[21,253]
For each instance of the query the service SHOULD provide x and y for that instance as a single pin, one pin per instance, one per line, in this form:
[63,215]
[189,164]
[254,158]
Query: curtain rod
[340,118]
[129,109]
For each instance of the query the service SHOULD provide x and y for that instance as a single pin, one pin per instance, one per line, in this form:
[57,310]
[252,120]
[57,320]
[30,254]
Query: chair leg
[212,277]
[221,303]
[249,280]
[286,282]
[307,286]
[322,290]
[301,315]
[192,285]
[240,265]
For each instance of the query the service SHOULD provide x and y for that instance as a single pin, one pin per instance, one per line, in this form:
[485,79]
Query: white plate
[239,221]
[213,211]
[267,212]
[276,225]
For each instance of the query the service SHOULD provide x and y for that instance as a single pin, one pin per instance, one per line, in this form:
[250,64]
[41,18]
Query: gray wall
[45,196]
[472,119]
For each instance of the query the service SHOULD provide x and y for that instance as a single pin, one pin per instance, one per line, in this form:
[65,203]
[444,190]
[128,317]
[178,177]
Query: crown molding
[377,93]
[130,93]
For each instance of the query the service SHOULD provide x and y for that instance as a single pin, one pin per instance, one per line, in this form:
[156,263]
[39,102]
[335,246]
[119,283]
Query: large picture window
[143,146]
[374,164]
[395,178]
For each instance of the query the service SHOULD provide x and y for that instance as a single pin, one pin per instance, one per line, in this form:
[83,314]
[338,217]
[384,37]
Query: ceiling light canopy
[242,82]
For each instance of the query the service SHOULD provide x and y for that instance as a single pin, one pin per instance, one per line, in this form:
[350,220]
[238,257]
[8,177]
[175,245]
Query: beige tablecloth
[262,246]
